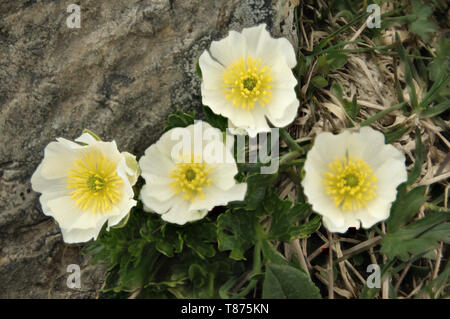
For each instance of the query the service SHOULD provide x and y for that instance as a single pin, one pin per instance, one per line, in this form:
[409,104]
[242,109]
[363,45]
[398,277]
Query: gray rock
[130,64]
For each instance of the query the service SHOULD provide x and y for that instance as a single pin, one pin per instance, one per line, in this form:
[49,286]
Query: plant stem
[381,114]
[291,143]
[256,270]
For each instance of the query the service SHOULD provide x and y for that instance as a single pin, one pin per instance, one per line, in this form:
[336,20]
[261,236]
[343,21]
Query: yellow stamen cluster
[350,182]
[247,82]
[95,183]
[190,179]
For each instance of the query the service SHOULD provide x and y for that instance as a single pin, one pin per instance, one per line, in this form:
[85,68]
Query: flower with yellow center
[351,178]
[189,179]
[184,186]
[85,184]
[247,78]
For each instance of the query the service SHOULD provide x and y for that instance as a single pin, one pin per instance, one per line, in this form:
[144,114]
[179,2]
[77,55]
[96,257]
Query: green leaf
[420,153]
[408,73]
[396,133]
[236,232]
[165,237]
[435,110]
[257,186]
[179,119]
[405,207]
[319,81]
[201,237]
[271,255]
[440,64]
[336,90]
[134,275]
[417,237]
[285,219]
[216,120]
[352,108]
[197,275]
[123,222]
[423,25]
[286,282]
[433,288]
[336,60]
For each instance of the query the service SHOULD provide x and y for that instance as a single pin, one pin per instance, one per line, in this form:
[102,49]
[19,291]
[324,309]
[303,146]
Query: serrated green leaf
[285,219]
[417,237]
[236,232]
[257,186]
[286,282]
[405,207]
[423,25]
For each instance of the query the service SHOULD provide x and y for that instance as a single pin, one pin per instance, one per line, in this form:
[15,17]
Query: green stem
[291,143]
[288,157]
[381,114]
[256,270]
[294,162]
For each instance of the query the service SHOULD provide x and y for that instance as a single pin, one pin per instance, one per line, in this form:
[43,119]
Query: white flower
[247,78]
[351,178]
[184,184]
[85,184]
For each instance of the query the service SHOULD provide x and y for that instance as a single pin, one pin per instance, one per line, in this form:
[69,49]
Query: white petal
[71,236]
[86,138]
[214,196]
[261,44]
[223,175]
[159,188]
[155,204]
[155,163]
[230,49]
[287,117]
[58,159]
[120,211]
[212,72]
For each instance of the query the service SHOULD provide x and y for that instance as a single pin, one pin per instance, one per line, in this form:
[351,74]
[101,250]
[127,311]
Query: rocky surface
[130,64]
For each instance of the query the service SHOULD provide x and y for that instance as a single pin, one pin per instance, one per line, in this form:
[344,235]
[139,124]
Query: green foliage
[215,120]
[417,237]
[405,207]
[237,232]
[257,185]
[422,25]
[420,153]
[285,216]
[287,282]
[179,119]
